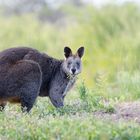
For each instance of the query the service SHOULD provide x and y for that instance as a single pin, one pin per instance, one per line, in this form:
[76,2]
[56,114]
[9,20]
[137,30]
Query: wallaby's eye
[69,63]
[77,63]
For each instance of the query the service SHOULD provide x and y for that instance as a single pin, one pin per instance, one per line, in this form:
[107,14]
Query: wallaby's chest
[69,85]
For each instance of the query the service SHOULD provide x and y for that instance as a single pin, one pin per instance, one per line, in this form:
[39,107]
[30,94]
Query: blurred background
[109,30]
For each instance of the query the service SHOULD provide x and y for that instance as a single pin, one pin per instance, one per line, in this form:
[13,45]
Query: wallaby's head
[72,65]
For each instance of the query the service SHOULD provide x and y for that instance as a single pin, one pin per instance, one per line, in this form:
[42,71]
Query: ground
[79,119]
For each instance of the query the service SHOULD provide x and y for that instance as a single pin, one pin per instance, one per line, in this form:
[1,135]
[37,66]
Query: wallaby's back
[13,55]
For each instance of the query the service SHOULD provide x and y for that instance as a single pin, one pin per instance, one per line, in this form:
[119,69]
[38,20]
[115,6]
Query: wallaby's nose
[73,70]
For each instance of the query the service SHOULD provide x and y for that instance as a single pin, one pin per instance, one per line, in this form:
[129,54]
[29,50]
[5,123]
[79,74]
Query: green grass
[111,73]
[74,121]
[66,127]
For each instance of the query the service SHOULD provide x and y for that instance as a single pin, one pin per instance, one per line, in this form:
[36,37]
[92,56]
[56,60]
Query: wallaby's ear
[80,52]
[67,52]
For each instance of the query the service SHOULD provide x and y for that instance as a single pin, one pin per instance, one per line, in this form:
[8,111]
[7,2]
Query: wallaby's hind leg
[28,82]
[2,105]
[30,92]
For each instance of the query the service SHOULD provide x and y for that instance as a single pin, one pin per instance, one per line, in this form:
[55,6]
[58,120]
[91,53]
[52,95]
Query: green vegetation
[111,73]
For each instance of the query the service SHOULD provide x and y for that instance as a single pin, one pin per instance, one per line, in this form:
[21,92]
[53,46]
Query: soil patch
[129,111]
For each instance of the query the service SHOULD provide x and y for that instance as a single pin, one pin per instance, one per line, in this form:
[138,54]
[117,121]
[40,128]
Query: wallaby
[25,73]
